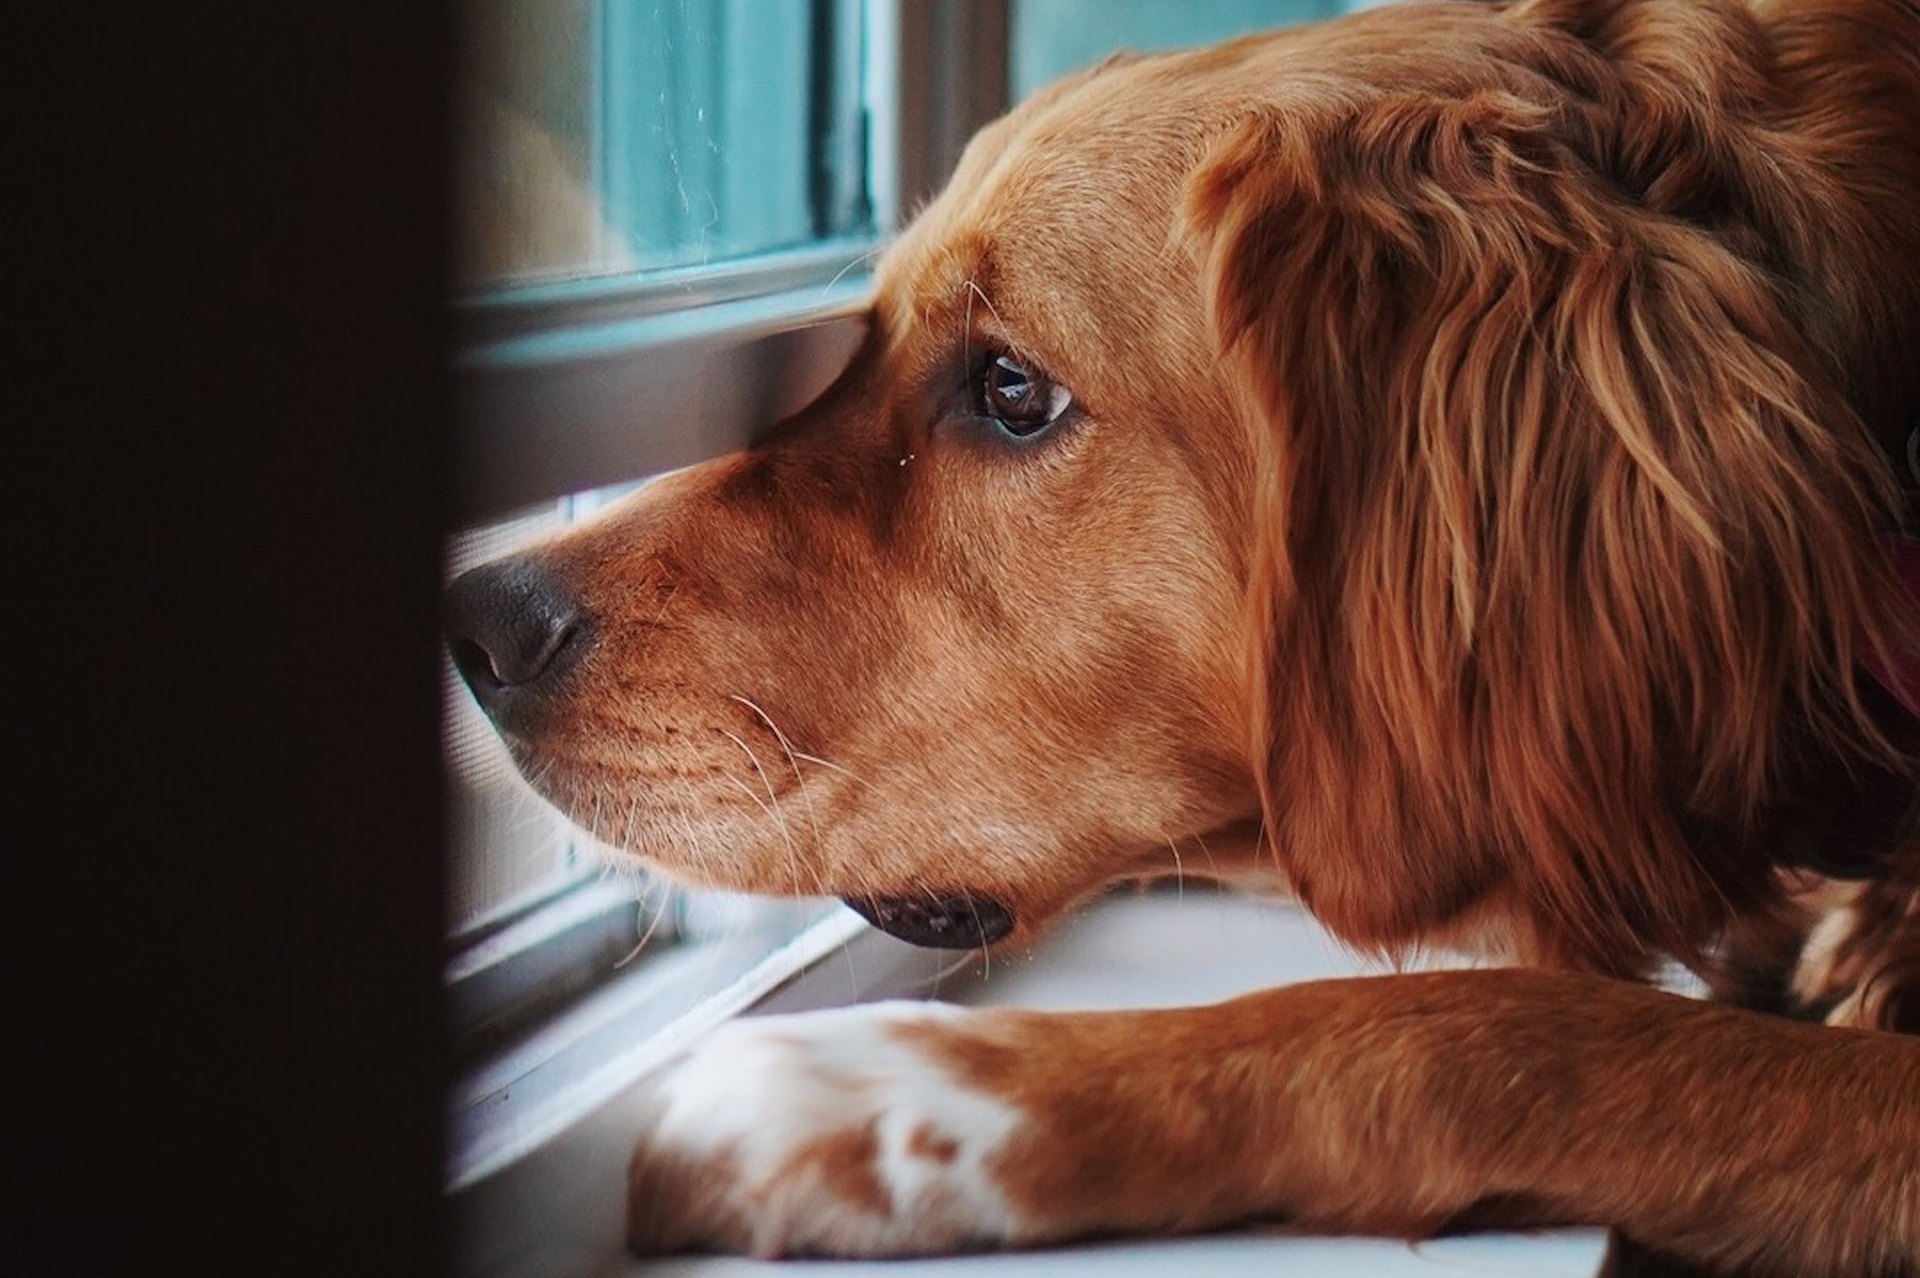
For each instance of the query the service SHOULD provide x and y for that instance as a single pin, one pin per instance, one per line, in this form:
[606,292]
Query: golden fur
[1472,514]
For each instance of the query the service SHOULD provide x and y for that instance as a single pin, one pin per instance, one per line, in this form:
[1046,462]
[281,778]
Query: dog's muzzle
[955,922]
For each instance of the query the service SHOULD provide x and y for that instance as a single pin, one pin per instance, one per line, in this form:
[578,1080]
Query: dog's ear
[1557,523]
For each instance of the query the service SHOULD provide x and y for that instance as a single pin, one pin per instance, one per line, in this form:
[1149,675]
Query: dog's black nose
[513,630]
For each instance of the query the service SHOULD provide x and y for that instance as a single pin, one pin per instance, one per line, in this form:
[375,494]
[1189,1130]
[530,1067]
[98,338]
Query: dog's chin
[940,921]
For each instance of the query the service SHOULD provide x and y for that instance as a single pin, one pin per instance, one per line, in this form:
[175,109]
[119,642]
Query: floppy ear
[1558,525]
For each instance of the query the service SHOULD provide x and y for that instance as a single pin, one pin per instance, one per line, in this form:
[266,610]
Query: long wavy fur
[1569,512]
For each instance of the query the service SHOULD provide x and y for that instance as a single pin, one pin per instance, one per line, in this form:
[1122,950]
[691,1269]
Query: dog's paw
[836,1132]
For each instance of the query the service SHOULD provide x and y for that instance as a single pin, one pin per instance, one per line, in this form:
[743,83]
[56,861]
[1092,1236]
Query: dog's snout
[513,629]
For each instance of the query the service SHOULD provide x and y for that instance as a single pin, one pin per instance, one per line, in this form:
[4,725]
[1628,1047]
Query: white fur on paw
[831,1132]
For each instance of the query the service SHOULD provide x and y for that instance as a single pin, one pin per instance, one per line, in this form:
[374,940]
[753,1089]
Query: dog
[1450,463]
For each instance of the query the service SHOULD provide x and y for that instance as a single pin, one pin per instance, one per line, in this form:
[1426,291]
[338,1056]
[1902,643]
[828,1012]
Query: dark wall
[226,417]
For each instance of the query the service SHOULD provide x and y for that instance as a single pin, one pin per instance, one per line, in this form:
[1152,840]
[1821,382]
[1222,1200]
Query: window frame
[730,347]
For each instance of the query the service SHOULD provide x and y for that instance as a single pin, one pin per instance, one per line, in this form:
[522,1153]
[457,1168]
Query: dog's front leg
[1401,1105]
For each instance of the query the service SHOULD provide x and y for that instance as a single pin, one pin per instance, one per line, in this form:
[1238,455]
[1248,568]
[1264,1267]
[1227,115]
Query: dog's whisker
[656,913]
[747,790]
[593,818]
[819,883]
[979,929]
[992,309]
[527,800]
[779,818]
[931,982]
[696,841]
[966,330]
[635,837]
[752,758]
[696,856]
[634,834]
[780,828]
[793,872]
[1179,870]
[828,763]
[862,260]
[853,973]
[806,799]
[1212,864]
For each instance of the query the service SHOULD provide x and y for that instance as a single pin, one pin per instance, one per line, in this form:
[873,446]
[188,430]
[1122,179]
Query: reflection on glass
[607,136]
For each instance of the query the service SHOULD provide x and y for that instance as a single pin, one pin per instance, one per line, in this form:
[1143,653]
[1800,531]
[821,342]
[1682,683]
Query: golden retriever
[1449,462]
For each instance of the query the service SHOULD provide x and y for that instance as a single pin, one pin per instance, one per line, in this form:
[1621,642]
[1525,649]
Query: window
[1053,37]
[619,136]
[616,142]
[665,208]
[653,196]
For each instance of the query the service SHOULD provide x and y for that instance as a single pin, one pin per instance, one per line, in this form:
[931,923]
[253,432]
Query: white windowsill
[556,1213]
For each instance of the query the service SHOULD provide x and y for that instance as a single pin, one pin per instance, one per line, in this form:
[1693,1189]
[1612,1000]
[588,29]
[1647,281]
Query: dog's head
[958,642]
[1385,433]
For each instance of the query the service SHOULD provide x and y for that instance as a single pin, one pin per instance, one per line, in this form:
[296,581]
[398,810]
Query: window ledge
[561,1070]
[556,1212]
[567,399]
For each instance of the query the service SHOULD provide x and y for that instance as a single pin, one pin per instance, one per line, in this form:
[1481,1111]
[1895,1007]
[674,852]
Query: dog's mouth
[959,921]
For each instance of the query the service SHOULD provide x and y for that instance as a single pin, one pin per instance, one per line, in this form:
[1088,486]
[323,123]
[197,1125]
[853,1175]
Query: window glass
[607,136]
[1053,37]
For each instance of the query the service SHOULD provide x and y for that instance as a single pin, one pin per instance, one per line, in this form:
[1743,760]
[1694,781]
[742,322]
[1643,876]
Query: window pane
[1053,37]
[605,136]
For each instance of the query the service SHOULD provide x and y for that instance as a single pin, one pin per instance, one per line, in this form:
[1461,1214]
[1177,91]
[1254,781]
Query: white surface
[558,1213]
[1269,1255]
[1160,949]
[534,1093]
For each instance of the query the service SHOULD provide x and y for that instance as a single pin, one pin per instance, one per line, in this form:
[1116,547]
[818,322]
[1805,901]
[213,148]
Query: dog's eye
[1023,401]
